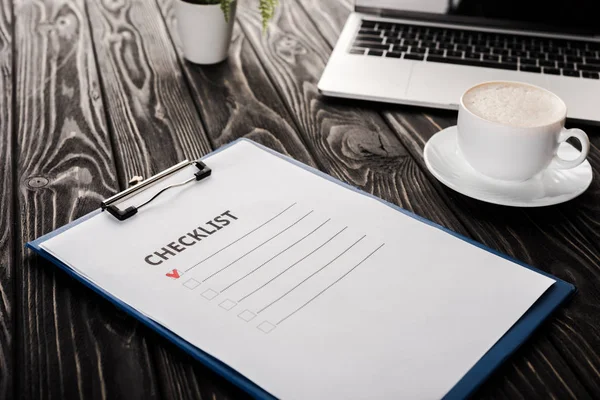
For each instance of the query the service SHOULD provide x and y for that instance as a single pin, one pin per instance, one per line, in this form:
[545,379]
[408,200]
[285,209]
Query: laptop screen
[576,16]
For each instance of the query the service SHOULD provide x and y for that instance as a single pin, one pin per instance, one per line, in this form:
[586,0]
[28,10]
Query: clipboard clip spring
[109,204]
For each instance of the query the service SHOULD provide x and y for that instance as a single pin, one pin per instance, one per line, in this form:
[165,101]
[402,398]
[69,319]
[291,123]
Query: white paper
[310,290]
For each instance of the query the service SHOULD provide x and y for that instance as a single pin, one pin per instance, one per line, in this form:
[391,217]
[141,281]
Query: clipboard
[495,356]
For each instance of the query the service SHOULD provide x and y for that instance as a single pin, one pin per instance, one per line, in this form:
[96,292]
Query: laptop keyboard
[480,49]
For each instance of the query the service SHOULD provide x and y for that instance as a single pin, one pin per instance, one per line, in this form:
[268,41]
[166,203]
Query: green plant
[266,8]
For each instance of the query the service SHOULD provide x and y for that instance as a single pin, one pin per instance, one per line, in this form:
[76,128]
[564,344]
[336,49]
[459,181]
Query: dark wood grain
[154,124]
[7,228]
[103,92]
[568,384]
[70,343]
[150,112]
[328,16]
[236,98]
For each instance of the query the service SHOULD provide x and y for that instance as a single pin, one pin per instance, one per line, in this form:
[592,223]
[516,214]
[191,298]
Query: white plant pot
[204,32]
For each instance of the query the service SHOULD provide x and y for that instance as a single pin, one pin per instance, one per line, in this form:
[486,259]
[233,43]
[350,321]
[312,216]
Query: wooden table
[94,92]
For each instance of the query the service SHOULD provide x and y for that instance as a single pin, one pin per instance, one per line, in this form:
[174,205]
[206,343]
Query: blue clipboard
[517,335]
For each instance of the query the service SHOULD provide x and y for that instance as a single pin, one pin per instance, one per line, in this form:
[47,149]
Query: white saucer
[551,186]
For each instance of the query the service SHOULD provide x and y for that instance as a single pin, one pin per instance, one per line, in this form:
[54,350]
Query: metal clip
[108,205]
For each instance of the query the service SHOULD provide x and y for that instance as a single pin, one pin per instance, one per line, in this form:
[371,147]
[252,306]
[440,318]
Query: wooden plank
[151,114]
[185,378]
[236,98]
[71,344]
[329,16]
[534,381]
[154,125]
[7,209]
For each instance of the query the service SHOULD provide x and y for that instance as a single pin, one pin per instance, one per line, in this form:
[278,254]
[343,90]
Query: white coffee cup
[519,146]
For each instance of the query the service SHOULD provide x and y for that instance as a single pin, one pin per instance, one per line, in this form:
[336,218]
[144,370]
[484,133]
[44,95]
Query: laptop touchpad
[443,84]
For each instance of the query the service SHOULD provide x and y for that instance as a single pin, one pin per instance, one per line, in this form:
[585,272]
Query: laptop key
[590,67]
[574,59]
[481,49]
[371,45]
[518,53]
[369,38]
[537,55]
[552,49]
[549,64]
[367,24]
[570,72]
[551,71]
[566,65]
[394,54]
[400,48]
[412,56]
[530,68]
[410,42]
[452,53]
[491,57]
[436,52]
[590,75]
[373,52]
[581,46]
[528,61]
[555,57]
[417,50]
[593,46]
[357,51]
[500,52]
[368,31]
[510,59]
[473,56]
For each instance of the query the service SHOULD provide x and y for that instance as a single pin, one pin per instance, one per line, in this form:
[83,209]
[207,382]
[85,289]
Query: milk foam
[514,104]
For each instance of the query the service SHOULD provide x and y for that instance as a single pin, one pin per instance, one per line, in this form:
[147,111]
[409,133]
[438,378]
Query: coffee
[514,104]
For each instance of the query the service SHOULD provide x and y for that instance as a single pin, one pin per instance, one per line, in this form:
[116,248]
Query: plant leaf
[267,10]
[226,8]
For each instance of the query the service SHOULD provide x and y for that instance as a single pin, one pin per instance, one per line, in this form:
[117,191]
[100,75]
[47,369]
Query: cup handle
[585,147]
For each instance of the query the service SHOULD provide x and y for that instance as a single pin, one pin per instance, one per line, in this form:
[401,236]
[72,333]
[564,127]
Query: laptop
[428,52]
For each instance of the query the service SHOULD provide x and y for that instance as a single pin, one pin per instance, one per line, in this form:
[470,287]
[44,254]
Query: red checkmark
[173,274]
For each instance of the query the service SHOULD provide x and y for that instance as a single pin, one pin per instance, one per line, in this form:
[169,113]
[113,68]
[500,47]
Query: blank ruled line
[275,256]
[240,238]
[257,247]
[328,287]
[288,268]
[310,276]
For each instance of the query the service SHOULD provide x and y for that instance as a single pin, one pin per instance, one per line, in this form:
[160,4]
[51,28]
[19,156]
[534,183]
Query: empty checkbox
[266,327]
[227,304]
[191,284]
[246,315]
[209,294]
